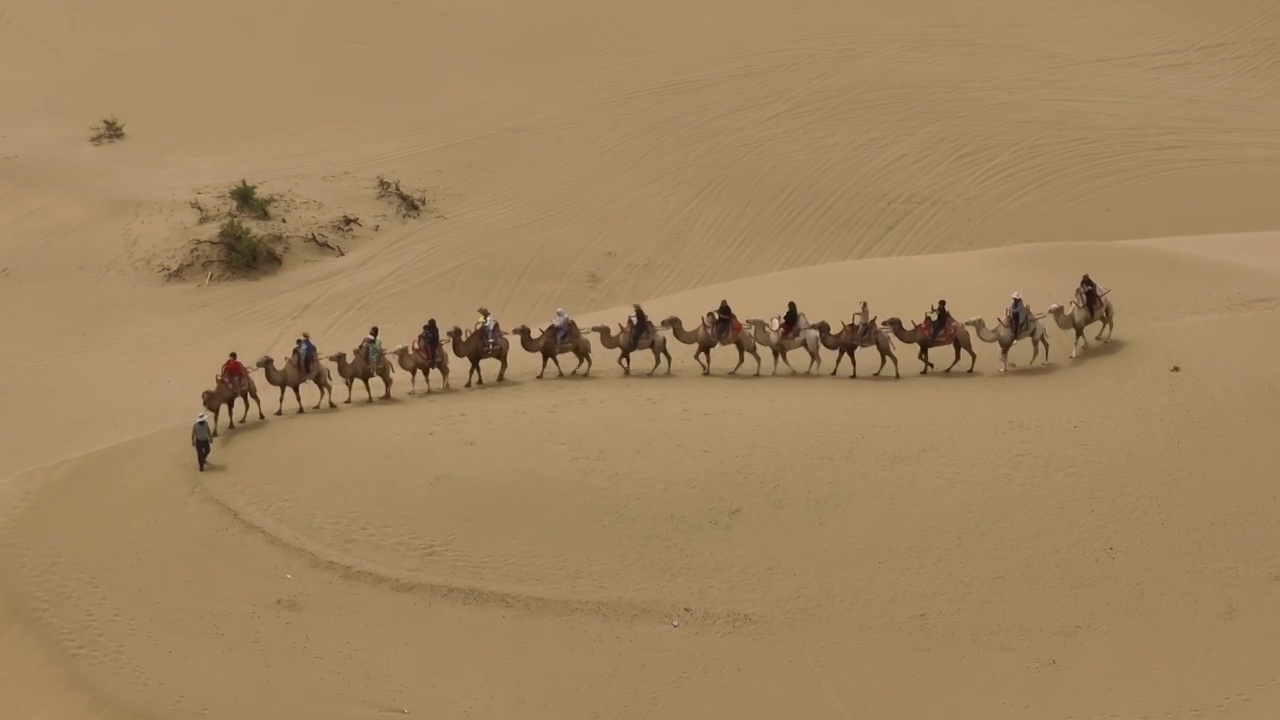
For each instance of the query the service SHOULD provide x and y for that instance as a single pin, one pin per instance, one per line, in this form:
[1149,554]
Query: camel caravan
[788,332]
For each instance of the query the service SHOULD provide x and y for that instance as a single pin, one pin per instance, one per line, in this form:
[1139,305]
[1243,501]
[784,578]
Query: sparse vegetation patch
[407,204]
[247,201]
[243,249]
[108,130]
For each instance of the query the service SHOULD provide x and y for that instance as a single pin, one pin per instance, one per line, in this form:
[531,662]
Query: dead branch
[325,244]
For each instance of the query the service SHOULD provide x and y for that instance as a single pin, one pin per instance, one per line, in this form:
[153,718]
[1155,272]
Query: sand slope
[1086,539]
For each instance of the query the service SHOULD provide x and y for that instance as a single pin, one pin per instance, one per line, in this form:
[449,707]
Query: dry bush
[407,204]
[108,130]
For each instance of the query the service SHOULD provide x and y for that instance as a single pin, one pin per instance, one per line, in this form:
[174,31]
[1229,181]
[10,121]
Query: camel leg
[839,357]
[815,358]
[785,361]
[706,367]
[368,390]
[386,386]
[589,361]
[413,381]
[231,414]
[543,371]
[894,358]
[853,359]
[665,354]
[502,369]
[742,356]
[258,402]
[1004,359]
[280,409]
[625,369]
[973,357]
[883,360]
[955,344]
[297,395]
[924,358]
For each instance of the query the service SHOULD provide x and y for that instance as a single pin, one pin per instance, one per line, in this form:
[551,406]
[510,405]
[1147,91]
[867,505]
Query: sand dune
[1089,538]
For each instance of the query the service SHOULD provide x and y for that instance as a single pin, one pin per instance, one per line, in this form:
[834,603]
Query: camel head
[976,322]
[338,357]
[400,349]
[205,397]
[892,322]
[602,329]
[670,322]
[822,326]
[1054,309]
[265,362]
[521,330]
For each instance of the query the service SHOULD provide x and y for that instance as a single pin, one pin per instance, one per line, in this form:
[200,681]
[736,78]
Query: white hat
[559,311]
[1017,296]
[369,337]
[200,417]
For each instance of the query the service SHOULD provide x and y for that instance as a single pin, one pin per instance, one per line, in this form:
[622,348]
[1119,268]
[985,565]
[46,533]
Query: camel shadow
[660,375]
[488,385]
[1099,349]
[1027,370]
[955,374]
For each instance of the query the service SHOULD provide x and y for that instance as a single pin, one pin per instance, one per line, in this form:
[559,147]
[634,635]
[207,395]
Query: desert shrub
[109,129]
[242,249]
[408,204]
[249,202]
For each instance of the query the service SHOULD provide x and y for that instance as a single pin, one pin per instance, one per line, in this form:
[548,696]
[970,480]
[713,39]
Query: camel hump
[775,323]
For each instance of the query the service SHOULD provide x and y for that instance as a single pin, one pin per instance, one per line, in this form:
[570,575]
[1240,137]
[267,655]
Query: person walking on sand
[201,440]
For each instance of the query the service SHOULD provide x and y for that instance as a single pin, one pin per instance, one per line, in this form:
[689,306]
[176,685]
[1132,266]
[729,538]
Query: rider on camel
[1017,313]
[790,319]
[487,322]
[639,325]
[940,320]
[372,348]
[429,341]
[562,325]
[306,354]
[235,374]
[1089,289]
[724,320]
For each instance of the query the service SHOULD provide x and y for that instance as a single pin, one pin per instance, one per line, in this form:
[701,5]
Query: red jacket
[233,367]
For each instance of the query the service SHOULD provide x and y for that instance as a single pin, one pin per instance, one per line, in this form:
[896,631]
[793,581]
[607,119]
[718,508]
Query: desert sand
[1092,538]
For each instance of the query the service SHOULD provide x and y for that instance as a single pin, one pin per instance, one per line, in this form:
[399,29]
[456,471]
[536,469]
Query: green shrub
[242,249]
[249,202]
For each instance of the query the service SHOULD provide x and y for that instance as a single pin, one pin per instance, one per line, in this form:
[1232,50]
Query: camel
[769,334]
[412,361]
[223,394]
[1080,318]
[358,369]
[292,377]
[546,344]
[653,340]
[953,334]
[474,348]
[704,339]
[1003,335]
[850,339]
